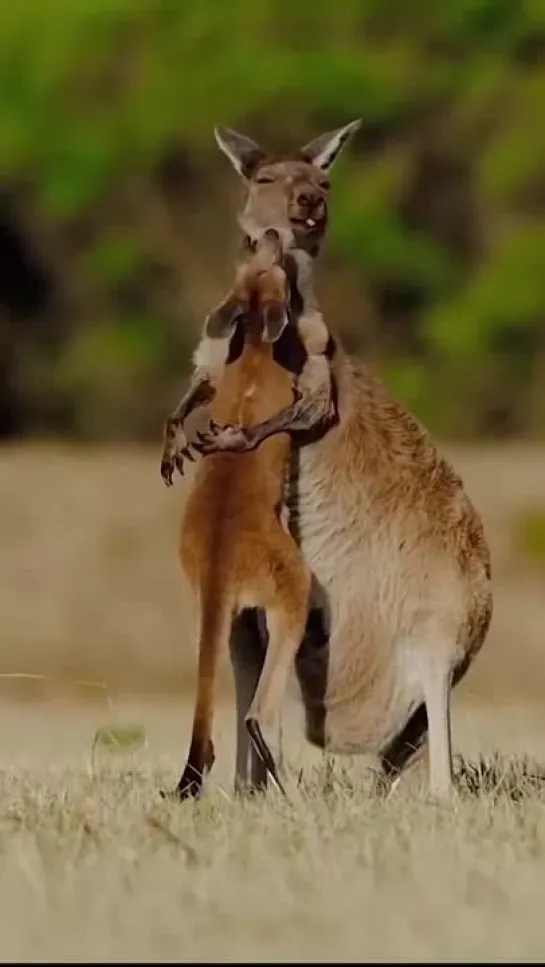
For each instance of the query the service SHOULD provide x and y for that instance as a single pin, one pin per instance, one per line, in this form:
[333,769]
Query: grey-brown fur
[402,577]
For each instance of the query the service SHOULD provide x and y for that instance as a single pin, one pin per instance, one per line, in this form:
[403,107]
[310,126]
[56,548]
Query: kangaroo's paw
[221,439]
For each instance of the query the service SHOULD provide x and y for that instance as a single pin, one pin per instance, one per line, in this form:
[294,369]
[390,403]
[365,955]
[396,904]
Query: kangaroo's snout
[311,205]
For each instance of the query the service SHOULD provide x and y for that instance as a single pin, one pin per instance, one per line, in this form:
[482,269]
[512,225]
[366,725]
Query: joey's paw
[167,469]
[176,450]
[226,438]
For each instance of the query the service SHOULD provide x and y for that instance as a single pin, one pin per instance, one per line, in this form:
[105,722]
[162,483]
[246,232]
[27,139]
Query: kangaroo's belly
[366,722]
[387,593]
[362,706]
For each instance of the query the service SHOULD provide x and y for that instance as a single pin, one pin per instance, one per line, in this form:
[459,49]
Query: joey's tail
[215,626]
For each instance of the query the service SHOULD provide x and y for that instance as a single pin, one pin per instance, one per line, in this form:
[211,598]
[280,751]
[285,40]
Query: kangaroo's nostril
[305,199]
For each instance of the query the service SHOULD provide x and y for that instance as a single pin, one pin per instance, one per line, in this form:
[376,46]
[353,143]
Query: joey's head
[289,194]
[259,299]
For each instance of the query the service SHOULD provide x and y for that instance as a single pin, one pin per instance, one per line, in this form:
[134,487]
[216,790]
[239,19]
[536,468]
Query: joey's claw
[188,454]
[166,471]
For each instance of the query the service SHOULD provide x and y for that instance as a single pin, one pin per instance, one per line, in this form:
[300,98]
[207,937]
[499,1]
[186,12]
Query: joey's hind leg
[286,620]
[215,626]
[247,647]
[200,760]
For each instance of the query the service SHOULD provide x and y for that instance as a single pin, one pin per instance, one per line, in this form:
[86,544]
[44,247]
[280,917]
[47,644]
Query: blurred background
[118,232]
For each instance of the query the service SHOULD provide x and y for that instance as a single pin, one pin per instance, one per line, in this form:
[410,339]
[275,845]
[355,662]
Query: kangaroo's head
[260,295]
[289,194]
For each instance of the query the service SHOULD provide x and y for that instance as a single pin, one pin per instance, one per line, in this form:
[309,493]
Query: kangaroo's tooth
[310,222]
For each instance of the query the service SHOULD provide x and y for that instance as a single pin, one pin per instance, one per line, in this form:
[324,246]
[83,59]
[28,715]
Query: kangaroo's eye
[264,180]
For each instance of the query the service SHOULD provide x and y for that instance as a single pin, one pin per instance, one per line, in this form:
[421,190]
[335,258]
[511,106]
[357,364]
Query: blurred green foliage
[435,264]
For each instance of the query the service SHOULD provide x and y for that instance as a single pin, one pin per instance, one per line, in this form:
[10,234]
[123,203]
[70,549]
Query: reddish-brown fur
[234,549]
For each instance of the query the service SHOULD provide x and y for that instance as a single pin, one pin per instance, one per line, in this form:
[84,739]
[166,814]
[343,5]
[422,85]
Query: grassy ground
[96,866]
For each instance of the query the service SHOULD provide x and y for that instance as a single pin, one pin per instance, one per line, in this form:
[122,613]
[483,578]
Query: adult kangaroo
[401,568]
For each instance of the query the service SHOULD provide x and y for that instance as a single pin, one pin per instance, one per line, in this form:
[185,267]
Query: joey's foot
[191,783]
[176,449]
[256,735]
[249,790]
[230,437]
[189,787]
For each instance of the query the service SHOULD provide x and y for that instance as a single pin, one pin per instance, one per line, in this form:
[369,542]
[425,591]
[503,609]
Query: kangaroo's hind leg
[287,611]
[404,749]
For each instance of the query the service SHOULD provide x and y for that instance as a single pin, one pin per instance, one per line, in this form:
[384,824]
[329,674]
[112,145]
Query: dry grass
[95,866]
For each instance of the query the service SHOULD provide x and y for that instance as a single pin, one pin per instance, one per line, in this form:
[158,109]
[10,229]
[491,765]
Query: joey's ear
[275,320]
[243,153]
[326,148]
[221,322]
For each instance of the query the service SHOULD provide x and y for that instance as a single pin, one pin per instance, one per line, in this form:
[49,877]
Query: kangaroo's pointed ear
[326,148]
[221,322]
[275,320]
[243,153]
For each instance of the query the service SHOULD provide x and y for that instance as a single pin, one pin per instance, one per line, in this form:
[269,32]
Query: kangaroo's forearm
[201,392]
[315,409]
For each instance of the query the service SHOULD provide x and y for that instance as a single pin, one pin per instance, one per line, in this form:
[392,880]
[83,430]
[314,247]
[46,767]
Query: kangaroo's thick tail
[215,626]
